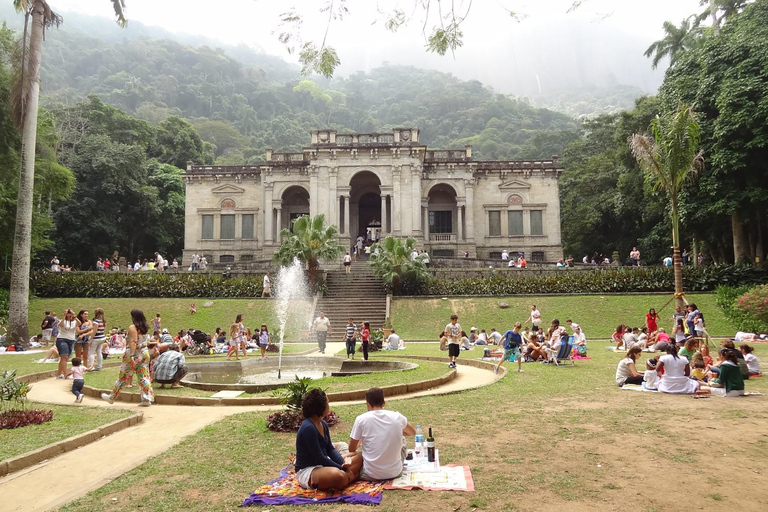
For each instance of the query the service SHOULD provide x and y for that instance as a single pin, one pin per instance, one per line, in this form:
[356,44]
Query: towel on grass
[448,478]
[285,490]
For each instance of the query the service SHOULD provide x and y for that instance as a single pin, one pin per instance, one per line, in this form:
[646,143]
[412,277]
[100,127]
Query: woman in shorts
[318,464]
[65,341]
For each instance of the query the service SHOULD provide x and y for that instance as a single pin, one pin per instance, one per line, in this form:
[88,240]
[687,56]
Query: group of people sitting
[688,368]
[378,433]
[651,337]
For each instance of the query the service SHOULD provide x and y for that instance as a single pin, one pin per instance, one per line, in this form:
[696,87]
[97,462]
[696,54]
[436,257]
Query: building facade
[376,185]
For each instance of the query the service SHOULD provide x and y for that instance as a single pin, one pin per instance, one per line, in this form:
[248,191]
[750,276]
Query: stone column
[425,218]
[333,197]
[279,224]
[396,209]
[269,230]
[415,198]
[314,198]
[347,231]
[469,214]
[460,219]
[383,213]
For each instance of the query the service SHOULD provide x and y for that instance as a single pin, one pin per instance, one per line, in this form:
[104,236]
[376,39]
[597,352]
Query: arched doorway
[442,206]
[365,206]
[294,204]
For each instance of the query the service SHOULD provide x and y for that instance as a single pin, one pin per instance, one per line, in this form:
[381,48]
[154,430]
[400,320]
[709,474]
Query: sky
[528,53]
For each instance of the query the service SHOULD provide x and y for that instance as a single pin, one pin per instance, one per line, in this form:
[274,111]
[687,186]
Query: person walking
[266,287]
[97,340]
[453,333]
[322,328]
[47,328]
[347,263]
[135,361]
[65,341]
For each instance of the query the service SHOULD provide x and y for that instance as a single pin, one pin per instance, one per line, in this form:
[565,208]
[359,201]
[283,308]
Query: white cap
[473,329]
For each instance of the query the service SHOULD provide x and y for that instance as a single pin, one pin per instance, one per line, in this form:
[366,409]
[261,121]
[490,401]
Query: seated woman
[318,464]
[626,372]
[465,345]
[729,381]
[579,342]
[690,348]
[535,350]
[555,340]
[677,373]
[753,364]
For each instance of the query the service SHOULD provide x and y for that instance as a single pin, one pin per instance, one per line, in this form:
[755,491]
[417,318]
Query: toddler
[698,371]
[650,377]
[77,372]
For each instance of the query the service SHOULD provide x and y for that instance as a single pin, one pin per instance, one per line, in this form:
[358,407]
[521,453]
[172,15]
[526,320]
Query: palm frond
[119,7]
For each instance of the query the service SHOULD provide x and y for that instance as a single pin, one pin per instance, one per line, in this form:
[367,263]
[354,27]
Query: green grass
[598,315]
[574,432]
[68,421]
[173,312]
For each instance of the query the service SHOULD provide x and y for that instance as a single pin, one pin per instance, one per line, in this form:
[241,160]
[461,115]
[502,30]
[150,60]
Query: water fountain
[292,289]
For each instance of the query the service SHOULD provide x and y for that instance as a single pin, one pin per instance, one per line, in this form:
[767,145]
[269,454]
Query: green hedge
[616,280]
[143,284]
[742,320]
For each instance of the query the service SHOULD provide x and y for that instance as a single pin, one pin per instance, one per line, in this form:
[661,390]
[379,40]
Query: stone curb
[343,396]
[28,459]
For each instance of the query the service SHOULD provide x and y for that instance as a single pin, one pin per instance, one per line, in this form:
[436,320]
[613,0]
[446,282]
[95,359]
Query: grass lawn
[547,439]
[67,422]
[173,312]
[598,316]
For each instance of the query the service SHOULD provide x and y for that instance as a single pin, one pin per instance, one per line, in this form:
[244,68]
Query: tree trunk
[740,248]
[677,260]
[18,330]
[759,251]
[713,15]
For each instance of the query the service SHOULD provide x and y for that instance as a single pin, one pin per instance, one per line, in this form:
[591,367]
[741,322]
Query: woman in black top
[318,464]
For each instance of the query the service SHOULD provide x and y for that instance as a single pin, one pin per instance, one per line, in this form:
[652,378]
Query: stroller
[201,343]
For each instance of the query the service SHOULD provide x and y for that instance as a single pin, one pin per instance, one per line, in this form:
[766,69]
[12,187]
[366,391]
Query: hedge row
[616,280]
[143,284]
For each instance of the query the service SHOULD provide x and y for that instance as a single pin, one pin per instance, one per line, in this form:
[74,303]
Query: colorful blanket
[285,490]
[448,478]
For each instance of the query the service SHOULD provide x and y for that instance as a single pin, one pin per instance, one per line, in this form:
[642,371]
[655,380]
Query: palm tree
[310,241]
[392,263]
[726,8]
[670,157]
[675,42]
[25,96]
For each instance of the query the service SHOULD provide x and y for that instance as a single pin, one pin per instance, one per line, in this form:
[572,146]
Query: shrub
[16,418]
[12,393]
[755,303]
[742,320]
[292,396]
[617,280]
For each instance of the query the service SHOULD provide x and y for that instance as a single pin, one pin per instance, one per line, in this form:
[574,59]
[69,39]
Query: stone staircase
[359,295]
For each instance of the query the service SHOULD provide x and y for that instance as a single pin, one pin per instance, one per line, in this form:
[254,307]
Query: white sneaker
[145,403]
[79,398]
[107,397]
[60,376]
[520,371]
[496,370]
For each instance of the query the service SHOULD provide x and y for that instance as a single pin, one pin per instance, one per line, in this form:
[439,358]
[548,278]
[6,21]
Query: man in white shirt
[381,433]
[322,327]
[266,286]
[495,336]
[393,341]
[195,260]
[504,255]
[414,255]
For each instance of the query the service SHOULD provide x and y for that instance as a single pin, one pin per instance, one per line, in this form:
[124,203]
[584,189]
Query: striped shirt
[99,329]
[350,331]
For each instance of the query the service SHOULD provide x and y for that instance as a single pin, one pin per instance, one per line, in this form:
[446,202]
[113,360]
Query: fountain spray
[291,292]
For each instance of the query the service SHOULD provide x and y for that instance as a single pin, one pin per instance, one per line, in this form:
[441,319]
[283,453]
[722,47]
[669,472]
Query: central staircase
[359,295]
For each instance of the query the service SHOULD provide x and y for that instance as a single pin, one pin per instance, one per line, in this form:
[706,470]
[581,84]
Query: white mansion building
[376,184]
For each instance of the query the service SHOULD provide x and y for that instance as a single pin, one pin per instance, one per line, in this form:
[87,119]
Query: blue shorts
[509,352]
[64,346]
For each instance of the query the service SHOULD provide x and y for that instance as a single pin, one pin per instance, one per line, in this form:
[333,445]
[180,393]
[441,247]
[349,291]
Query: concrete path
[99,463]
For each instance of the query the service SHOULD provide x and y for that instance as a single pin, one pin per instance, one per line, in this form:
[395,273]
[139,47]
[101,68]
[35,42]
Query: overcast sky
[492,36]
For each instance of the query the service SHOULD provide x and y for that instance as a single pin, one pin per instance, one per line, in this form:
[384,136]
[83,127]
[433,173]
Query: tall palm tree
[670,157]
[676,41]
[310,241]
[25,96]
[726,9]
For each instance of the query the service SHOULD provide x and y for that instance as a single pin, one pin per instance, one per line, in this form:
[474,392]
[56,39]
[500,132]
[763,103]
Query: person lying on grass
[318,464]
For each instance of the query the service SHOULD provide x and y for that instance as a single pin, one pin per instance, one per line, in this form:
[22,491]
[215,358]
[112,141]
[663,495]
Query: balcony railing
[442,237]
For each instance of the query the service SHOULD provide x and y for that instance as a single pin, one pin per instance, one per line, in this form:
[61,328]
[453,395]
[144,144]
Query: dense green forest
[122,117]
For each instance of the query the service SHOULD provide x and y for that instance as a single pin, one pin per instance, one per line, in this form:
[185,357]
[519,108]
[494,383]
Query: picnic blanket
[285,490]
[447,478]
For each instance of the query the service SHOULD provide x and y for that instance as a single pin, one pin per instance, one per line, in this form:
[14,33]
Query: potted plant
[387,327]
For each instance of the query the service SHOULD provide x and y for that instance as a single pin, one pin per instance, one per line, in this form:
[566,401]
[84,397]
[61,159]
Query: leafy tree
[309,240]
[670,156]
[676,41]
[393,263]
[178,143]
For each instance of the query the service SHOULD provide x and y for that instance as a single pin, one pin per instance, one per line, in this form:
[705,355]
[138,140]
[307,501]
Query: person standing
[203,263]
[634,257]
[263,340]
[84,333]
[322,328]
[66,340]
[97,340]
[453,333]
[135,361]
[266,287]
[195,261]
[535,319]
[47,328]
[382,436]
[350,332]
[347,263]
[365,336]
[425,258]
[157,323]
[55,267]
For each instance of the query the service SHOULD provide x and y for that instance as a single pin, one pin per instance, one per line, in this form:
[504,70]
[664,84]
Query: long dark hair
[239,319]
[729,355]
[80,315]
[672,350]
[140,321]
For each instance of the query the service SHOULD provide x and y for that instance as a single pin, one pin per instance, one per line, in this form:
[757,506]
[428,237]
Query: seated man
[170,368]
[381,432]
[393,341]
[495,337]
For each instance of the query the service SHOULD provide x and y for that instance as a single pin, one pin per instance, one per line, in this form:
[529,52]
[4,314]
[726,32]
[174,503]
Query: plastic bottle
[418,442]
[430,446]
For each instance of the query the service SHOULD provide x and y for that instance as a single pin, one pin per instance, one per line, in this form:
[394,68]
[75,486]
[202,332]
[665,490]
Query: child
[234,341]
[192,309]
[701,331]
[650,377]
[751,359]
[453,332]
[698,372]
[263,340]
[512,342]
[708,361]
[617,336]
[77,372]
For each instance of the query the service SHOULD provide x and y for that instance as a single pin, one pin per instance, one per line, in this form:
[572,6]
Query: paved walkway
[98,463]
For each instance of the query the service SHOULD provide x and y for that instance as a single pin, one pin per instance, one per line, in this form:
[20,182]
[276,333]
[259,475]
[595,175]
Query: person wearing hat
[170,367]
[166,338]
